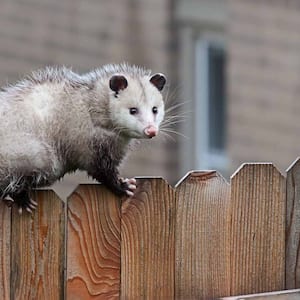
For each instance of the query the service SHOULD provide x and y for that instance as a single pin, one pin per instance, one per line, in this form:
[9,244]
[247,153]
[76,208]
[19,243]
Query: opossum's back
[18,121]
[29,109]
[24,154]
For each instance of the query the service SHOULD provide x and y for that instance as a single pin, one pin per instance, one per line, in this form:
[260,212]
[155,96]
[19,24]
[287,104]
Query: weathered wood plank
[257,230]
[147,242]
[93,244]
[5,238]
[202,257]
[38,250]
[293,227]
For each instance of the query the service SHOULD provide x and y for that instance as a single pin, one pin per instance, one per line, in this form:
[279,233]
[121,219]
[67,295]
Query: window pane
[216,95]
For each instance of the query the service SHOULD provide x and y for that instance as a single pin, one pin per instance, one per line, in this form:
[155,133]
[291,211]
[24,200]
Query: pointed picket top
[295,165]
[202,206]
[5,250]
[93,244]
[292,225]
[147,223]
[158,179]
[199,176]
[37,249]
[256,166]
[81,187]
[257,195]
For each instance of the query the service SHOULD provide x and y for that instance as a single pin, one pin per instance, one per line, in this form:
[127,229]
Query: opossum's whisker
[167,135]
[174,132]
[176,106]
[171,95]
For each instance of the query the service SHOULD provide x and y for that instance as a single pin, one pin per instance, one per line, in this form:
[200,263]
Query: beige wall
[87,34]
[264,81]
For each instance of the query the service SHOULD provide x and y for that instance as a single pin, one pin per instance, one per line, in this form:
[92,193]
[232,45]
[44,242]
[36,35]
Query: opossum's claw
[28,209]
[34,203]
[30,205]
[8,200]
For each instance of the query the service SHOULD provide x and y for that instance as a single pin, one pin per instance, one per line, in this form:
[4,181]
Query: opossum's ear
[158,80]
[117,83]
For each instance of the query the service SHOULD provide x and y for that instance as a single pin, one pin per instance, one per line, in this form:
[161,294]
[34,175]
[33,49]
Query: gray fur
[57,121]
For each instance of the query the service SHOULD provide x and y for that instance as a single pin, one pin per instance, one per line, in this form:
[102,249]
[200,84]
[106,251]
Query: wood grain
[38,250]
[257,229]
[293,227]
[147,242]
[202,237]
[5,237]
[93,244]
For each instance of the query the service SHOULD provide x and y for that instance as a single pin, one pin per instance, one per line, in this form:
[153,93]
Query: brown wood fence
[203,239]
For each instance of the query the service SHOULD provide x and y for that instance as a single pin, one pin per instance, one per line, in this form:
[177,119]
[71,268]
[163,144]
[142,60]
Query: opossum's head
[136,104]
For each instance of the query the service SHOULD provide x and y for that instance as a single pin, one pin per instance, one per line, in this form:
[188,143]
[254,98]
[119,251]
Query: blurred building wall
[261,42]
[264,81]
[88,34]
[200,23]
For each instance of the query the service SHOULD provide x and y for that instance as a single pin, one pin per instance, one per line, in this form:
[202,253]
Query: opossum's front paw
[128,186]
[24,202]
[29,206]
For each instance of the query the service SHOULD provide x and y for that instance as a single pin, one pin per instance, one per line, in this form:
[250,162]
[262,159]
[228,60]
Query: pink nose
[150,131]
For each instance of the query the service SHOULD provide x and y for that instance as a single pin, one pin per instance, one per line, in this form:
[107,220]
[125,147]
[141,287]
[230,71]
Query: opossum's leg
[105,170]
[110,178]
[24,201]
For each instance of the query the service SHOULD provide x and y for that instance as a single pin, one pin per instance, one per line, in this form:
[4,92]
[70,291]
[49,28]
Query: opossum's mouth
[134,134]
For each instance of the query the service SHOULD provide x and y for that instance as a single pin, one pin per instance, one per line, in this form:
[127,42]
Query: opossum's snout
[151,131]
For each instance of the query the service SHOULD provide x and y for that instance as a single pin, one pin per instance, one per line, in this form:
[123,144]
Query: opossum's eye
[155,110]
[133,110]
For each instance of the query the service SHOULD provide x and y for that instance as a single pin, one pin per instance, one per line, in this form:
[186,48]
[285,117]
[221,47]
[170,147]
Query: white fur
[40,100]
[144,96]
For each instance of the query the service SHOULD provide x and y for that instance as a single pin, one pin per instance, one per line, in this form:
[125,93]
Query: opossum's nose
[150,131]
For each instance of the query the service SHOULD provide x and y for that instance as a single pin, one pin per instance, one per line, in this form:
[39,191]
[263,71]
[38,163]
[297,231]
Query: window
[210,106]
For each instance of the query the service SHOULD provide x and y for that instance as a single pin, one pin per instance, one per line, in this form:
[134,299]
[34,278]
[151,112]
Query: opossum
[56,121]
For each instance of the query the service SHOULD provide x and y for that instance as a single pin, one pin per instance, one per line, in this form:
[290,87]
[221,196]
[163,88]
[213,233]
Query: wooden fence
[203,239]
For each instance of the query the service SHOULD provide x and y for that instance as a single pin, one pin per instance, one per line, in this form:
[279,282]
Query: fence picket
[5,237]
[257,229]
[37,247]
[293,226]
[93,244]
[147,235]
[202,237]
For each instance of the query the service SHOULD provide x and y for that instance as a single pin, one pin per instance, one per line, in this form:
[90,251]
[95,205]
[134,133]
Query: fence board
[5,236]
[93,244]
[257,229]
[202,237]
[293,227]
[147,245]
[37,247]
